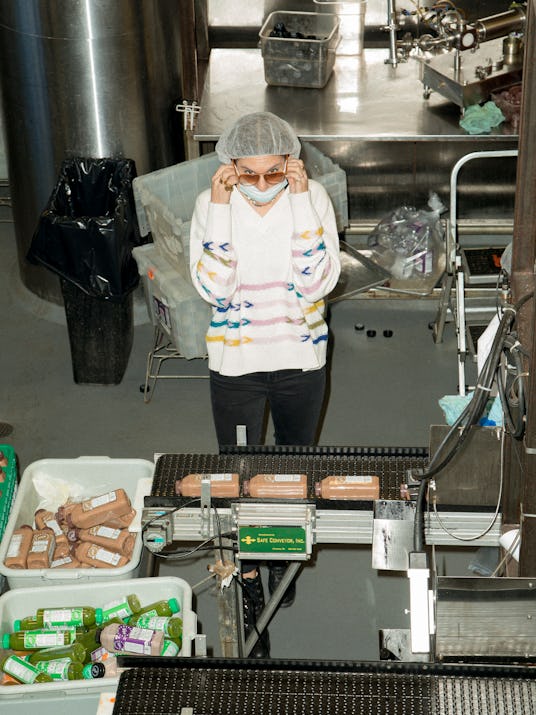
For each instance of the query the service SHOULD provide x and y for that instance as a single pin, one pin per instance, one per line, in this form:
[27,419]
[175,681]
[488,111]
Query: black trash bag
[88,229]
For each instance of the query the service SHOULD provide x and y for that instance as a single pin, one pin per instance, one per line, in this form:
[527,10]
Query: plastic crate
[293,62]
[165,202]
[23,602]
[8,485]
[173,303]
[95,475]
[322,169]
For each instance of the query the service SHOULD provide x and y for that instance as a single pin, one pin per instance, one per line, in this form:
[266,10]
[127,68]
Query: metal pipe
[502,24]
[392,27]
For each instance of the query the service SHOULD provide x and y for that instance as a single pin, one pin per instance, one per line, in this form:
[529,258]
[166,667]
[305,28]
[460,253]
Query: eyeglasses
[273,177]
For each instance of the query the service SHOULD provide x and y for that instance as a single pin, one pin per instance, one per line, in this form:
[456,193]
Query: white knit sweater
[266,277]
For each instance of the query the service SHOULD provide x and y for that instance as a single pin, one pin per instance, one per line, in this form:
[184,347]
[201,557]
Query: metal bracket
[205,506]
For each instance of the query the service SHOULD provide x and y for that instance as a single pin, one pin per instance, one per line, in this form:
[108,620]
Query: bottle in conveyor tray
[37,639]
[78,616]
[221,485]
[97,510]
[21,670]
[19,545]
[349,486]
[276,486]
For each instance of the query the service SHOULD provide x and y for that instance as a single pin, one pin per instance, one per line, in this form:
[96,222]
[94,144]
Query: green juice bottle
[21,670]
[121,608]
[160,608]
[90,641]
[75,652]
[171,625]
[170,648]
[78,616]
[35,640]
[66,669]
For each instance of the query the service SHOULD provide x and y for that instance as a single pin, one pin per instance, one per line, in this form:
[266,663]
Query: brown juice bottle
[120,541]
[96,510]
[349,486]
[63,512]
[276,486]
[65,562]
[47,520]
[41,550]
[120,522]
[19,546]
[221,485]
[95,555]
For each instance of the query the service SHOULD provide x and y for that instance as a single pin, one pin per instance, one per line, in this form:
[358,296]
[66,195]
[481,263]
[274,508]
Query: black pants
[295,398]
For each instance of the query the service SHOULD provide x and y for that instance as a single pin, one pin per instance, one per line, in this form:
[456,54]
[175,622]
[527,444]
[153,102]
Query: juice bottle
[63,512]
[21,670]
[120,541]
[221,485]
[19,545]
[121,607]
[170,625]
[65,669]
[349,486]
[164,607]
[276,486]
[90,641]
[41,550]
[130,639]
[65,562]
[34,640]
[98,556]
[78,616]
[75,651]
[46,520]
[96,510]
[120,522]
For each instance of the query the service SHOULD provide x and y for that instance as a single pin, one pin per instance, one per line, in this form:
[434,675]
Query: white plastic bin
[23,602]
[173,303]
[96,475]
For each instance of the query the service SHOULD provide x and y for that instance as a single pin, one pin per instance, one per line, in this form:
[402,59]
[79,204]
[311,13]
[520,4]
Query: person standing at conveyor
[264,252]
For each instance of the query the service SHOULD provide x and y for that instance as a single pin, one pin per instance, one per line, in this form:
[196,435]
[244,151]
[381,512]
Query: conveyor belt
[389,464]
[279,688]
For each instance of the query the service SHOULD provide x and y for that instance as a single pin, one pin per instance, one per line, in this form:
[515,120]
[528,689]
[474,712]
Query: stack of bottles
[91,533]
[362,487]
[82,642]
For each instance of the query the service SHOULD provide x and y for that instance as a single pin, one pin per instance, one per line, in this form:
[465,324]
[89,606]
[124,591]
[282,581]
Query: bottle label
[353,479]
[90,504]
[39,544]
[100,554]
[221,477]
[63,616]
[43,638]
[53,524]
[105,531]
[133,640]
[61,562]
[152,613]
[119,608]
[154,623]
[20,669]
[170,648]
[287,477]
[57,669]
[13,549]
[99,655]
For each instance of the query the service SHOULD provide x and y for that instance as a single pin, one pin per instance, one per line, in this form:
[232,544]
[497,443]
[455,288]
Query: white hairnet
[257,134]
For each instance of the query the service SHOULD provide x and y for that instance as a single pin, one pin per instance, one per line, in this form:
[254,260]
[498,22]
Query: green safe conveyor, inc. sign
[272,539]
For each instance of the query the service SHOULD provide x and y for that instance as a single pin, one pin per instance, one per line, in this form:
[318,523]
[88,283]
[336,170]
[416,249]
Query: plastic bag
[408,242]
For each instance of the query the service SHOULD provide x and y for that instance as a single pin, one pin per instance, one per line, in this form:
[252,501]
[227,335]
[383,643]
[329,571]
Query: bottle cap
[98,616]
[245,487]
[5,640]
[174,605]
[16,625]
[318,489]
[94,670]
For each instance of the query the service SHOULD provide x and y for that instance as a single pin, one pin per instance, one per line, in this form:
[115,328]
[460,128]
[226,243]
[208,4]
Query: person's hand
[297,176]
[223,182]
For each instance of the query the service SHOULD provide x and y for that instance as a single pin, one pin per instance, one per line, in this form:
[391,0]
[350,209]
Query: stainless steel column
[84,77]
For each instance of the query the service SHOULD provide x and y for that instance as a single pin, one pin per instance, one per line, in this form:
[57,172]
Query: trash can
[86,234]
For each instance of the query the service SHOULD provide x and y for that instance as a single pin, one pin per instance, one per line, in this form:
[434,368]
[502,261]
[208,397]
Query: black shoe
[253,604]
[276,573]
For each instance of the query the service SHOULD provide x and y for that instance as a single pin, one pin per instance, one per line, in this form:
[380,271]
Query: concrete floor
[384,391]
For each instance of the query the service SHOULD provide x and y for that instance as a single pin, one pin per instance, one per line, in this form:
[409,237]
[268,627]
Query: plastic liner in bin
[86,234]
